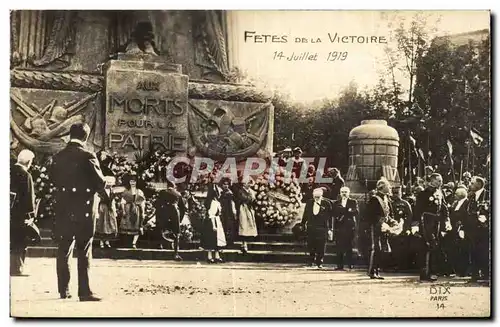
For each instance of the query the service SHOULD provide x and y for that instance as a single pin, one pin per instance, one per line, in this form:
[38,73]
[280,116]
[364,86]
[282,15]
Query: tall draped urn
[373,153]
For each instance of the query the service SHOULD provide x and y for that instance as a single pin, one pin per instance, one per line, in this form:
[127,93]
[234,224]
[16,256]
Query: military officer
[345,213]
[77,177]
[317,218]
[431,218]
[22,211]
[477,228]
[379,215]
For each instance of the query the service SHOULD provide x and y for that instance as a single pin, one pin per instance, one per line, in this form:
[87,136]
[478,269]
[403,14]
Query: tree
[453,88]
[411,36]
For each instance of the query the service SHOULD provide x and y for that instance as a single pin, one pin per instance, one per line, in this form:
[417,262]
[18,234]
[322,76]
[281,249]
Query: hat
[297,149]
[287,150]
[79,131]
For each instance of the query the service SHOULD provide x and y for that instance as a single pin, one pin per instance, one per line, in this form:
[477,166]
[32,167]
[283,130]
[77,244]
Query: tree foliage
[453,89]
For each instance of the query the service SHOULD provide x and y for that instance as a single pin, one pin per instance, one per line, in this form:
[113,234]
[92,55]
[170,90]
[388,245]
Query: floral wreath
[277,201]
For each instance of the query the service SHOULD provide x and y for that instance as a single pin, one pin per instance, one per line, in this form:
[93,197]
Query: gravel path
[164,289]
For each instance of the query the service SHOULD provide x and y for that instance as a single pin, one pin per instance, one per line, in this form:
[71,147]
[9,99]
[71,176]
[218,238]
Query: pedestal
[146,106]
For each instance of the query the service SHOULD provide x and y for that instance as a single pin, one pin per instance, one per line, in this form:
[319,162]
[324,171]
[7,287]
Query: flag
[475,136]
[421,153]
[450,147]
[414,142]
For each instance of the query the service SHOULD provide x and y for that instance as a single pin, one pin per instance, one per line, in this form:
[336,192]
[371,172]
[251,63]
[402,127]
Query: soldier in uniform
[403,214]
[22,211]
[77,177]
[431,218]
[318,221]
[477,228]
[378,211]
[345,211]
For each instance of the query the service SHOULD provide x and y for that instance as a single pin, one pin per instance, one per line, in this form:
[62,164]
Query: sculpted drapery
[42,38]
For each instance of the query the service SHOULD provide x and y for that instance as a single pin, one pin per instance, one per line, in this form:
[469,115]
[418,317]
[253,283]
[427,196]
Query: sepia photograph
[250,163]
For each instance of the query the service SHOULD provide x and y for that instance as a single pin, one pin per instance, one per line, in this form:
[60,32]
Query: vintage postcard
[210,163]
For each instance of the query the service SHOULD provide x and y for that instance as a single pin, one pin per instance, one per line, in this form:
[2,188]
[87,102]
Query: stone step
[256,246]
[229,255]
[46,233]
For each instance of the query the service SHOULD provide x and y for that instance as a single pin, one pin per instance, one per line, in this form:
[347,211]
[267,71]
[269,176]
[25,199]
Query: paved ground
[133,288]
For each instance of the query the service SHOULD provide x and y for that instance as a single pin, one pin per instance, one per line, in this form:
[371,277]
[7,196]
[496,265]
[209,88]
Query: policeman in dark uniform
[400,243]
[77,177]
[477,228]
[432,218]
[318,219]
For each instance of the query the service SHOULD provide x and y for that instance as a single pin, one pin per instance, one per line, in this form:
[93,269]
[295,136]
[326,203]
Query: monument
[141,79]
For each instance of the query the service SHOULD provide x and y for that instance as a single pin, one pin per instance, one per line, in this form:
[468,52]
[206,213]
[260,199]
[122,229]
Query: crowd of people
[442,229]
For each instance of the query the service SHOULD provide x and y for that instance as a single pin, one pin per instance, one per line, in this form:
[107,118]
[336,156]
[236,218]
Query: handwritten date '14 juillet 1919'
[311,56]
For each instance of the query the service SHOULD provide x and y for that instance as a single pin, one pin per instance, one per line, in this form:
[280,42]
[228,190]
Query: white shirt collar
[478,193]
[78,142]
[459,204]
[344,201]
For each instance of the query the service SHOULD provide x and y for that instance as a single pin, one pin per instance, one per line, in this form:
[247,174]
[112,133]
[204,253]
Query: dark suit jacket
[21,183]
[323,220]
[459,218]
[474,210]
[345,218]
[374,211]
[77,176]
[424,204]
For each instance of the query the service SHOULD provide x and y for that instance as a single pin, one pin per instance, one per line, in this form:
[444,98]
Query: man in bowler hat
[77,177]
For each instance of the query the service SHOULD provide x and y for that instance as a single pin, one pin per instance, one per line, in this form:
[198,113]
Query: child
[168,217]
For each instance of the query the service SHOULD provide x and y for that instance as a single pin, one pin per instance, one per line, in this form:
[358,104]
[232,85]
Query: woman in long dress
[228,216]
[133,207]
[106,224]
[213,237]
[246,216]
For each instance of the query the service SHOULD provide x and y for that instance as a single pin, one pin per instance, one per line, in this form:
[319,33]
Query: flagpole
[419,172]
[468,155]
[461,167]
[409,159]
[473,161]
[453,171]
